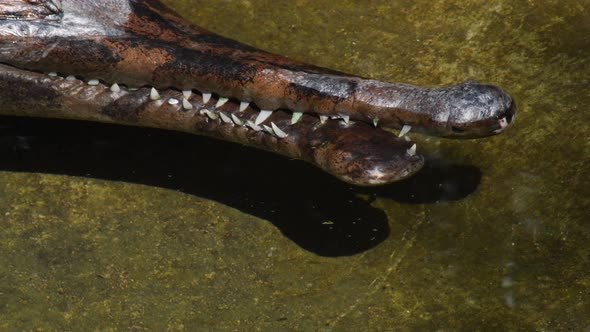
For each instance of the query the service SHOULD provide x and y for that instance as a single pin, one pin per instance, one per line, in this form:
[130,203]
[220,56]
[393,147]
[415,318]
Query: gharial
[136,62]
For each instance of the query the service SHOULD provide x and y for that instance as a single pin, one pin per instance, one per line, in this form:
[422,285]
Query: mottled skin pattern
[351,152]
[143,44]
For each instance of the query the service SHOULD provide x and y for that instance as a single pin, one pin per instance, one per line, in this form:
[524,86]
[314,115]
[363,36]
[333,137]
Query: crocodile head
[137,62]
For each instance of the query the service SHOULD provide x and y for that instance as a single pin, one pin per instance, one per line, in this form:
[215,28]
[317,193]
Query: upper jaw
[140,43]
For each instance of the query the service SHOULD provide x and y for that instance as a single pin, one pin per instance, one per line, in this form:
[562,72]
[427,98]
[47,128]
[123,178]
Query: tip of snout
[367,156]
[478,110]
[371,172]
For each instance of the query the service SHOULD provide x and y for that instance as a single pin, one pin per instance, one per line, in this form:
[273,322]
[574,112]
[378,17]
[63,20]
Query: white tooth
[412,151]
[405,129]
[187,93]
[172,101]
[263,115]
[296,117]
[115,87]
[220,102]
[253,125]
[93,82]
[268,129]
[323,118]
[154,95]
[186,104]
[407,138]
[244,105]
[206,97]
[503,123]
[211,115]
[345,117]
[278,131]
[225,118]
[375,121]
[53,74]
[237,120]
[71,78]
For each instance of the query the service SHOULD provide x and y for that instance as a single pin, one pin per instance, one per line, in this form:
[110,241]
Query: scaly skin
[142,43]
[356,153]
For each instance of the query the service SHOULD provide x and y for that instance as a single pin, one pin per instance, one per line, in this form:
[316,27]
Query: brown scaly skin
[356,153]
[142,43]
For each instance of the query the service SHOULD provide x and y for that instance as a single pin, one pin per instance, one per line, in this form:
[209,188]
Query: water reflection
[319,213]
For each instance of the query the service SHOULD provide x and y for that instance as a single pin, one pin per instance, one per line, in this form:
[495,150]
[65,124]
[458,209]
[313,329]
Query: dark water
[107,227]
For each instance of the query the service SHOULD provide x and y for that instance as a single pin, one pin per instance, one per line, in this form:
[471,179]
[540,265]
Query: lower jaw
[354,152]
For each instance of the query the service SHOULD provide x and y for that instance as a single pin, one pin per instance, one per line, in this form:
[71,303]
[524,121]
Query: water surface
[115,228]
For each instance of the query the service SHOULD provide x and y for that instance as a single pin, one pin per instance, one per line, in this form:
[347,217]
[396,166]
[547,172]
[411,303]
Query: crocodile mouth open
[146,66]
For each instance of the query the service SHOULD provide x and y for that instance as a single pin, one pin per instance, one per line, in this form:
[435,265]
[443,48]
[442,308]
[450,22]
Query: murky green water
[150,230]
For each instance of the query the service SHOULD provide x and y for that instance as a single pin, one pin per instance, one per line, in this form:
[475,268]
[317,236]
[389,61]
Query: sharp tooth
[346,118]
[172,101]
[405,130]
[237,120]
[407,138]
[220,102]
[254,126]
[503,123]
[278,131]
[71,78]
[93,82]
[211,115]
[206,97]
[115,87]
[154,95]
[244,105]
[187,93]
[225,118]
[263,115]
[296,117]
[412,151]
[186,104]
[323,118]
[53,74]
[268,129]
[375,121]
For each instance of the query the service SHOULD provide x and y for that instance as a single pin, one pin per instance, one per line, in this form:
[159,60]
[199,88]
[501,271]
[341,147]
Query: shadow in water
[316,211]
